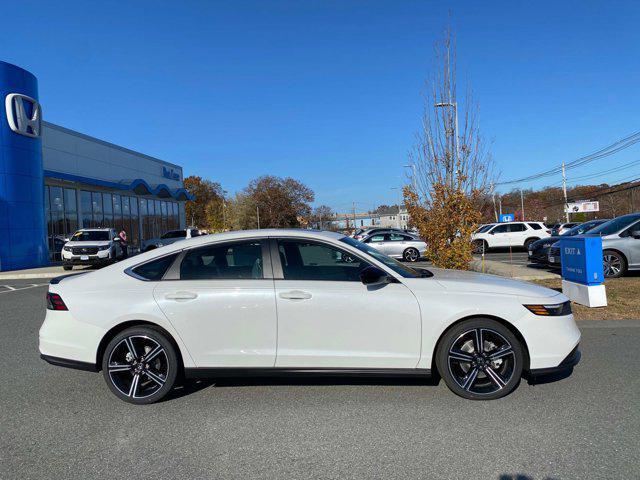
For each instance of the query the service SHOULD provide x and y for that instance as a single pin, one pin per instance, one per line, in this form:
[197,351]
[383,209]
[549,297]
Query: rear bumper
[568,363]
[68,363]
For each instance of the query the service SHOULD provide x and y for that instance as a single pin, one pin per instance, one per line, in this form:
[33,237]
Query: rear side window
[517,227]
[535,226]
[154,270]
[241,260]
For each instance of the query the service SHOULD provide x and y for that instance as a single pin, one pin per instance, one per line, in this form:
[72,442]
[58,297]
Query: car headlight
[66,249]
[553,310]
[104,247]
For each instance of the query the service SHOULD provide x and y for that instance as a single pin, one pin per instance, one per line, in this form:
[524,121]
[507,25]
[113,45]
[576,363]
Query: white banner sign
[578,207]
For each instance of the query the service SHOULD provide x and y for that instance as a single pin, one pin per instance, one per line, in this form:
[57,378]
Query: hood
[542,241]
[473,282]
[97,243]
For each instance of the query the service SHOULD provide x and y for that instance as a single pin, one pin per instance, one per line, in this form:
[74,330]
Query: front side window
[307,260]
[400,268]
[500,229]
[238,260]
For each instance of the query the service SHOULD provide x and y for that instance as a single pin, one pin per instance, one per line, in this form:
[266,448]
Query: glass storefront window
[157,224]
[107,206]
[117,212]
[96,204]
[85,206]
[135,222]
[165,226]
[70,211]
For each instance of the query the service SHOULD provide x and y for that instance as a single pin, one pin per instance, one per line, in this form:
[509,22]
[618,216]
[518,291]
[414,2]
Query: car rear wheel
[411,255]
[140,365]
[480,359]
[614,264]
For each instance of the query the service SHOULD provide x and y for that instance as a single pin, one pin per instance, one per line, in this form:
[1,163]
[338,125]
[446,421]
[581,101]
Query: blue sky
[330,92]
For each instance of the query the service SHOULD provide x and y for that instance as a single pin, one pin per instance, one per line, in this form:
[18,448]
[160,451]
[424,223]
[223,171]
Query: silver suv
[91,246]
[620,244]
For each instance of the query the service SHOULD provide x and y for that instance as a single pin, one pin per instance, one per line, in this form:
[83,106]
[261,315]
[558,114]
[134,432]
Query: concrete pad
[518,272]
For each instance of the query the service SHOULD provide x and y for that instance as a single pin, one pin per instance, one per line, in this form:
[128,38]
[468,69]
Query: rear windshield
[615,225]
[91,236]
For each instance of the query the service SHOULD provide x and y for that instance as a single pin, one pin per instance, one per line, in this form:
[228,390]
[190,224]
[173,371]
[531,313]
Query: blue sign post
[582,271]
[507,217]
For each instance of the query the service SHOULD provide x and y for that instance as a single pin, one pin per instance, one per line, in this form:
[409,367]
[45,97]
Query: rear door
[379,241]
[221,300]
[396,244]
[518,233]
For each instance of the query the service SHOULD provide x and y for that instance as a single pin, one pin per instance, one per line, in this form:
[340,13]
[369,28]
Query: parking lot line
[10,288]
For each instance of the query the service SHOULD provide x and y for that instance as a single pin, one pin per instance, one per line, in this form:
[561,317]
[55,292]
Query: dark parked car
[539,251]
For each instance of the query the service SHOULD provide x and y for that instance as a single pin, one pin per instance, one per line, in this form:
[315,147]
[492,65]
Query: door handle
[181,296]
[295,295]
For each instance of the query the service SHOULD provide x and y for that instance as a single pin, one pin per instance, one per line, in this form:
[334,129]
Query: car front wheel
[614,264]
[480,246]
[411,255]
[480,359]
[140,365]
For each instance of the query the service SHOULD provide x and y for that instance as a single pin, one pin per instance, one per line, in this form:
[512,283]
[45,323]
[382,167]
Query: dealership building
[54,181]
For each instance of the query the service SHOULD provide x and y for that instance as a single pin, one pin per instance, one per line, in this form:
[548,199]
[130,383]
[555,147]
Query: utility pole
[500,203]
[258,214]
[564,190]
[354,216]
[522,204]
[414,177]
[493,196]
[398,216]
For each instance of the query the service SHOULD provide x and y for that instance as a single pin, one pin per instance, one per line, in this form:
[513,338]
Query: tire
[121,365]
[529,241]
[67,267]
[411,255]
[477,377]
[479,246]
[614,264]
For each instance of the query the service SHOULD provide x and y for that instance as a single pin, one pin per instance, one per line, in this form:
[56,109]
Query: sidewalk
[44,272]
[517,272]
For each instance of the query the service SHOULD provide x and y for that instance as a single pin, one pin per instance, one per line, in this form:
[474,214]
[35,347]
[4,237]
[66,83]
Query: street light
[413,177]
[455,137]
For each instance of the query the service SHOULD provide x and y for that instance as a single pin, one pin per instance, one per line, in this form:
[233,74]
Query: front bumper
[538,256]
[91,260]
[568,363]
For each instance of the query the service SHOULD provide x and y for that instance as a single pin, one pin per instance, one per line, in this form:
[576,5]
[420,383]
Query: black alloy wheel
[480,359]
[140,365]
[411,255]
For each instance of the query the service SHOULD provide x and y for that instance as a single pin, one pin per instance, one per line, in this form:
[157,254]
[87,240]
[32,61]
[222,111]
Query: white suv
[91,246]
[509,234]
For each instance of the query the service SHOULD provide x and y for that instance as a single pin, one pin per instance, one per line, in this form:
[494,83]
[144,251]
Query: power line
[615,147]
[605,172]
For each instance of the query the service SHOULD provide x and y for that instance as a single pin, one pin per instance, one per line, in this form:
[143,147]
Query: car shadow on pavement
[549,378]
[192,386]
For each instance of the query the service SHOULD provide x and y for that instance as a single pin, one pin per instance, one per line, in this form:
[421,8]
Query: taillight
[55,302]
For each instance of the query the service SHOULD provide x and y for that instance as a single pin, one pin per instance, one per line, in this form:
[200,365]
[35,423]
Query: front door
[328,319]
[222,303]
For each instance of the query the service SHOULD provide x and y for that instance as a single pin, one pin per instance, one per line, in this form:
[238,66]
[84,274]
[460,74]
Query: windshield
[396,266]
[91,236]
[583,228]
[615,225]
[484,228]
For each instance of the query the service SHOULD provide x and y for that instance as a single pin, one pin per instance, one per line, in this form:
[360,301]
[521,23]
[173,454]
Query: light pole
[522,204]
[398,216]
[414,177]
[455,133]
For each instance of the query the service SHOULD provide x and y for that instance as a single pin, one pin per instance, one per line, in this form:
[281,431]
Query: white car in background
[170,237]
[397,245]
[300,302]
[508,234]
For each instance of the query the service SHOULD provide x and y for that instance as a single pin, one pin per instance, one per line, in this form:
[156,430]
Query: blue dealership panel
[23,241]
[582,259]
[507,217]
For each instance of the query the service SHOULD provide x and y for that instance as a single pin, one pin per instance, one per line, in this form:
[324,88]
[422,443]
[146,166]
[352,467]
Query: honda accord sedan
[300,302]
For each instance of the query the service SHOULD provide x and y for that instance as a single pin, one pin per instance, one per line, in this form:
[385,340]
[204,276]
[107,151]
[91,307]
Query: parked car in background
[561,228]
[91,246]
[620,245]
[508,234]
[170,237]
[397,245]
[539,250]
[362,233]
[484,227]
[286,301]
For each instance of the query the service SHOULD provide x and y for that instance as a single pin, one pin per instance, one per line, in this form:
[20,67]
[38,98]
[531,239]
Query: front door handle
[181,296]
[295,295]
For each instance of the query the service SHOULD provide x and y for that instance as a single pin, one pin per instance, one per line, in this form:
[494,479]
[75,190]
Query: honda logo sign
[23,114]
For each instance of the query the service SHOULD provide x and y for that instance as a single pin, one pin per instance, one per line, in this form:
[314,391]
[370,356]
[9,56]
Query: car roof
[106,229]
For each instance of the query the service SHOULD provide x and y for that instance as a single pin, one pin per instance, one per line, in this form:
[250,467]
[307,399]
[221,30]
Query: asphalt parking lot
[60,423]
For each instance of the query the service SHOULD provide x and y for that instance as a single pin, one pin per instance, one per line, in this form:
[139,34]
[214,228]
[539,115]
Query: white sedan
[294,301]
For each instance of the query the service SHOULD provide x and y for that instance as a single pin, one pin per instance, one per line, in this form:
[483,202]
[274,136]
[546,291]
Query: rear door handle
[295,295]
[181,296]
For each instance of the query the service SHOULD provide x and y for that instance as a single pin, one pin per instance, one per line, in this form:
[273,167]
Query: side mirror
[374,276]
[116,239]
[635,234]
[492,232]
[66,239]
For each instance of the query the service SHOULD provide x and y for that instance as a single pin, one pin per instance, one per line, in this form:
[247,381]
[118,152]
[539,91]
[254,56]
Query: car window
[517,227]
[91,236]
[615,225]
[535,226]
[195,233]
[375,239]
[408,238]
[237,260]
[396,237]
[306,260]
[155,269]
[500,229]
